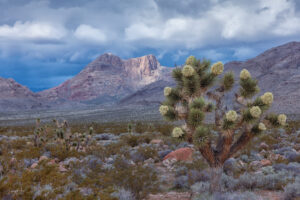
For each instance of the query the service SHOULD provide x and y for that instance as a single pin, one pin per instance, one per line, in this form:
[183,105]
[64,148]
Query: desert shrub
[291,191]
[131,140]
[23,186]
[181,182]
[138,179]
[61,153]
[164,129]
[123,194]
[228,196]
[148,152]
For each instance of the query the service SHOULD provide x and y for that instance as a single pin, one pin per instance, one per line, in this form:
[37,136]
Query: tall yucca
[194,96]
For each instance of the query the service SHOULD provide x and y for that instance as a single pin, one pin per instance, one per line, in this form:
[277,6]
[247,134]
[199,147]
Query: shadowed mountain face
[141,81]
[277,70]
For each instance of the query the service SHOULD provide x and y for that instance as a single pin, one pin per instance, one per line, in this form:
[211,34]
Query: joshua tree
[40,134]
[200,91]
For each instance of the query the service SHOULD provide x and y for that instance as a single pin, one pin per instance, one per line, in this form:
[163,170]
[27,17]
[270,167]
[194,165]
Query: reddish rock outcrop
[182,154]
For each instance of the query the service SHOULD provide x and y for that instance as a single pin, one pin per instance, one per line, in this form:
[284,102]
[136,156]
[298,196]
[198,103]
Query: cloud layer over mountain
[43,42]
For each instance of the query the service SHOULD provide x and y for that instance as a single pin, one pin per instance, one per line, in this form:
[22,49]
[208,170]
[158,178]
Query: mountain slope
[277,70]
[109,77]
[15,96]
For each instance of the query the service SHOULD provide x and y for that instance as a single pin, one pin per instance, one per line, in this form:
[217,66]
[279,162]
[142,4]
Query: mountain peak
[108,58]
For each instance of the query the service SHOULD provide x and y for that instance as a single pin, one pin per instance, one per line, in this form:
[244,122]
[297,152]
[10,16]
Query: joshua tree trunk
[215,179]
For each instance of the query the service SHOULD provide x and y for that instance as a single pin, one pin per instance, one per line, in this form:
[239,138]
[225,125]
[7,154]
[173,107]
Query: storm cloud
[44,42]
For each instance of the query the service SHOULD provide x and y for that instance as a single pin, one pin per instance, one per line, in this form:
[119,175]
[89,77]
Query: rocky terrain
[277,70]
[107,78]
[138,82]
[141,161]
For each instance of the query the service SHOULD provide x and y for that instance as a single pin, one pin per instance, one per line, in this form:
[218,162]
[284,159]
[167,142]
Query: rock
[168,163]
[34,165]
[275,157]
[29,162]
[255,165]
[86,191]
[182,154]
[264,146]
[170,196]
[156,141]
[51,162]
[265,162]
[13,161]
[43,158]
[47,154]
[62,168]
[104,136]
[264,153]
[136,156]
[245,158]
[68,161]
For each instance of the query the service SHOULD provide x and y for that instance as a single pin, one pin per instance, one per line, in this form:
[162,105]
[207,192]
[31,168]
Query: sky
[45,42]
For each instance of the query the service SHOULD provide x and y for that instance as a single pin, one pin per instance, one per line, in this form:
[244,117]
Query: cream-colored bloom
[217,68]
[191,60]
[282,119]
[267,98]
[188,71]
[231,115]
[245,74]
[262,127]
[255,112]
[177,132]
[167,91]
[163,109]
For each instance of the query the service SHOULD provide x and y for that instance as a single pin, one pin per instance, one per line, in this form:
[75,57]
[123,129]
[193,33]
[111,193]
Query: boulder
[255,165]
[182,154]
[34,165]
[156,141]
[264,146]
[62,168]
[43,158]
[265,162]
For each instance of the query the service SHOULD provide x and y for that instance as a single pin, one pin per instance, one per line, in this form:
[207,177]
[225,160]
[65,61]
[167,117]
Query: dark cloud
[43,42]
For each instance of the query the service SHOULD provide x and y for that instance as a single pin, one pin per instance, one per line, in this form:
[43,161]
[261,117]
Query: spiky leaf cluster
[248,85]
[201,136]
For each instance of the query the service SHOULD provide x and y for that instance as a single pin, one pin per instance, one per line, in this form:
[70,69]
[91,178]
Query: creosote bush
[200,91]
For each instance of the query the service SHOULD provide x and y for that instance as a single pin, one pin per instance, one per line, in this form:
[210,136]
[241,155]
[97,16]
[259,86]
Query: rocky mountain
[140,81]
[15,96]
[107,78]
[277,70]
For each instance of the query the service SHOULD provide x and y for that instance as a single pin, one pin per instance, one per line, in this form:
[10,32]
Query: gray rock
[68,161]
[136,156]
[29,162]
